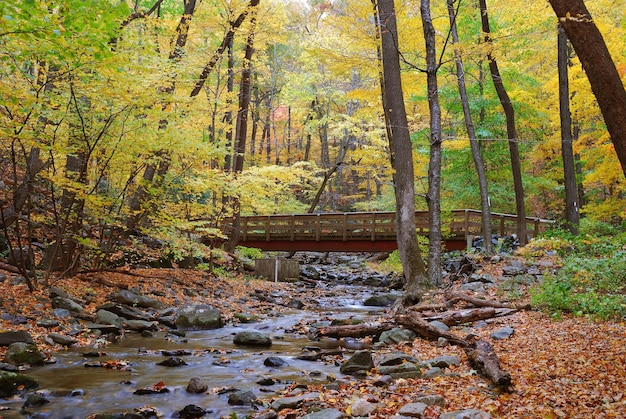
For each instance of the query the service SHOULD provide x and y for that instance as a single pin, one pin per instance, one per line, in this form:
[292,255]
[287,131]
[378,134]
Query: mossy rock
[11,383]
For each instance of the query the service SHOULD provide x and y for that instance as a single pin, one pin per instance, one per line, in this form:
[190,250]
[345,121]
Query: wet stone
[35,399]
[242,398]
[172,362]
[197,385]
[251,338]
[192,411]
[274,361]
[324,414]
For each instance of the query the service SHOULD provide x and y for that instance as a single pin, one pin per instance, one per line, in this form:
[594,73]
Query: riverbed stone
[172,361]
[67,304]
[380,300]
[61,339]
[396,358]
[361,361]
[443,361]
[7,338]
[12,383]
[432,373]
[252,338]
[324,414]
[413,410]
[191,411]
[34,400]
[245,317]
[108,317]
[197,385]
[396,335]
[48,323]
[199,316]
[139,325]
[242,398]
[293,402]
[133,299]
[20,353]
[274,361]
[404,370]
[126,312]
[466,414]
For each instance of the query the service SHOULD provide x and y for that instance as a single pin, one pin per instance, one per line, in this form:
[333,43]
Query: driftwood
[419,325]
[469,315]
[484,359]
[353,330]
[479,302]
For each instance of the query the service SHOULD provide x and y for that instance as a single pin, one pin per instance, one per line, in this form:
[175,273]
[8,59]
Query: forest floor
[565,367]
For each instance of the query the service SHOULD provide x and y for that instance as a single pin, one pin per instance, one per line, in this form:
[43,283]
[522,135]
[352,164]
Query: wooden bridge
[365,231]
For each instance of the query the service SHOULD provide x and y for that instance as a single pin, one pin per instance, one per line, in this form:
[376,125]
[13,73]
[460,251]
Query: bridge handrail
[379,225]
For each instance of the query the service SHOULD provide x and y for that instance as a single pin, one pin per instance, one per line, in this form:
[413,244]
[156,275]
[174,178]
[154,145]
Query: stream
[75,391]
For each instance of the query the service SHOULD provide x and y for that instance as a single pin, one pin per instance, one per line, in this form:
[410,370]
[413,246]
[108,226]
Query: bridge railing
[371,226]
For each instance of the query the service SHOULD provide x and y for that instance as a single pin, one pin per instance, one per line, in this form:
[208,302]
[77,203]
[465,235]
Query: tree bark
[596,60]
[572,216]
[434,165]
[484,359]
[401,153]
[471,133]
[511,131]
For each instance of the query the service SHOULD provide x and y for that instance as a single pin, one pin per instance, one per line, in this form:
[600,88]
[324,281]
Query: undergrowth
[592,280]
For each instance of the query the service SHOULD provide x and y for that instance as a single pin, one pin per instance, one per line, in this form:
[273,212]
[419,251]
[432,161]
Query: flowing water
[75,391]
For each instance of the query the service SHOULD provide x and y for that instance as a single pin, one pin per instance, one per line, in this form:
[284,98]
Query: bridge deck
[365,231]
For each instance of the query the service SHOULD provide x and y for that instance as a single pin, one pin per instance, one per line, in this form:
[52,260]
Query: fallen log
[479,302]
[422,328]
[484,359]
[469,315]
[434,307]
[352,330]
[479,353]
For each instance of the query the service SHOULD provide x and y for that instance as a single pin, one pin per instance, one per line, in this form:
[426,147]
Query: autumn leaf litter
[572,367]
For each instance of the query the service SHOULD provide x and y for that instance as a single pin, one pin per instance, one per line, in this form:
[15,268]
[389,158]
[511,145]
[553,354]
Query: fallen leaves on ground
[569,368]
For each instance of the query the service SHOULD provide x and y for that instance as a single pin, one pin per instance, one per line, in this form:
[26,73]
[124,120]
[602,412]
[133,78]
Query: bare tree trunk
[434,166]
[511,131]
[571,206]
[595,58]
[401,153]
[471,133]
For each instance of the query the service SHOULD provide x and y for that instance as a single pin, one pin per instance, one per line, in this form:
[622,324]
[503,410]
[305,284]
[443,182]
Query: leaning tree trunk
[569,176]
[511,132]
[401,153]
[595,58]
[471,133]
[434,165]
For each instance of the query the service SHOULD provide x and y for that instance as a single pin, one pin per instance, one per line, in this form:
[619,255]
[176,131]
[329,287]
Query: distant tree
[471,132]
[572,214]
[511,130]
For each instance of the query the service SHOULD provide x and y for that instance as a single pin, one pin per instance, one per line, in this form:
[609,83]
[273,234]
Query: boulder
[199,317]
[67,304]
[20,353]
[361,361]
[252,338]
[503,333]
[396,335]
[7,338]
[197,385]
[380,300]
[61,339]
[11,383]
[325,414]
[130,298]
[242,398]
